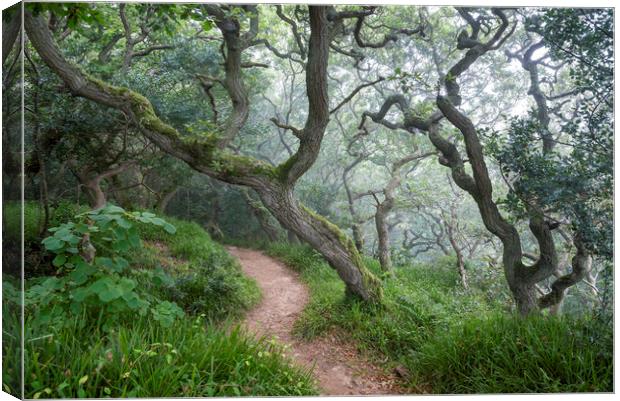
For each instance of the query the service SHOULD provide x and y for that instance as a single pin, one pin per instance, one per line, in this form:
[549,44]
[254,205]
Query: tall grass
[11,336]
[451,340]
[143,359]
[511,354]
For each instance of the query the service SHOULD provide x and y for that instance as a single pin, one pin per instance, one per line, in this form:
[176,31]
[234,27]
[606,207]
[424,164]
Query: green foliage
[575,181]
[33,219]
[453,340]
[99,285]
[75,13]
[166,352]
[205,278]
[578,185]
[64,211]
[11,225]
[11,336]
[584,37]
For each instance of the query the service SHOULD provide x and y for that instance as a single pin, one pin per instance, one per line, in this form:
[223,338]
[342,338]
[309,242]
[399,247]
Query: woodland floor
[338,366]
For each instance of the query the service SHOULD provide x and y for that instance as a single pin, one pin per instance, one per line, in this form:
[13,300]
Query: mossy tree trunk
[210,156]
[262,215]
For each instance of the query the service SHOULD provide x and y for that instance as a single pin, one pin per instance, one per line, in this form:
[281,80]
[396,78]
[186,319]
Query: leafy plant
[92,273]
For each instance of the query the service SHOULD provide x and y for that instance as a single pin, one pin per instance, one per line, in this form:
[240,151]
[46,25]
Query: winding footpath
[338,367]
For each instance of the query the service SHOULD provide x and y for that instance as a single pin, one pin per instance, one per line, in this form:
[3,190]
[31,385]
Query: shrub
[92,271]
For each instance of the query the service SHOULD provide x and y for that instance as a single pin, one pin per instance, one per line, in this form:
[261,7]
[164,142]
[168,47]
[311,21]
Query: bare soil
[338,366]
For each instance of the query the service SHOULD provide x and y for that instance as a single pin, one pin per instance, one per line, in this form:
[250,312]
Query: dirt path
[339,369]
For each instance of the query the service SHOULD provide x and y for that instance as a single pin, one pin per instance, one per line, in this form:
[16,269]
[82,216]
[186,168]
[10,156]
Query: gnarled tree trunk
[521,278]
[163,202]
[383,236]
[92,183]
[274,185]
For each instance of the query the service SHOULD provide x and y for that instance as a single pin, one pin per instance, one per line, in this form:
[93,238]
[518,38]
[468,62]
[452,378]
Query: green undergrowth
[206,278]
[99,353]
[452,340]
[33,218]
[142,359]
[499,353]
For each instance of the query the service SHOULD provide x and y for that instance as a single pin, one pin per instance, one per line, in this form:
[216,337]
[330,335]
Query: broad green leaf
[52,244]
[170,228]
[81,273]
[59,260]
[123,223]
[106,262]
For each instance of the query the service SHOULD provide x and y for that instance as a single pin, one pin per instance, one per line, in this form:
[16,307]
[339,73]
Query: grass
[203,354]
[509,354]
[143,359]
[11,336]
[33,218]
[35,261]
[451,340]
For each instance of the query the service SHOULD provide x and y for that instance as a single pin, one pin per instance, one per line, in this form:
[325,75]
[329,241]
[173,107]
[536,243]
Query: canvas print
[209,199]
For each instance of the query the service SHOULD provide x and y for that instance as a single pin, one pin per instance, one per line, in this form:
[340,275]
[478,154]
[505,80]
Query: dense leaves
[574,182]
[97,284]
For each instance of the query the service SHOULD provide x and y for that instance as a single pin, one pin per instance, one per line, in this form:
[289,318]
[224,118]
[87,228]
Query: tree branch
[355,92]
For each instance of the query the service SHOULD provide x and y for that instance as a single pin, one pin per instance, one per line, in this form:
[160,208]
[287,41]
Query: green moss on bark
[282,170]
[204,149]
[371,283]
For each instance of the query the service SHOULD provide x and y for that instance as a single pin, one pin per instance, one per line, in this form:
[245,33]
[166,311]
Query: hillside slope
[186,345]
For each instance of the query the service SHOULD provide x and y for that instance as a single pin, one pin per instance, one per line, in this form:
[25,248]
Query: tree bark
[384,208]
[581,266]
[274,185]
[385,259]
[338,249]
[451,228]
[292,238]
[10,30]
[356,229]
[262,216]
[460,261]
[521,279]
[92,185]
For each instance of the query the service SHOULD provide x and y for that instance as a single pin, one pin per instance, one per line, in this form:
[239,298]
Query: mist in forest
[236,200]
